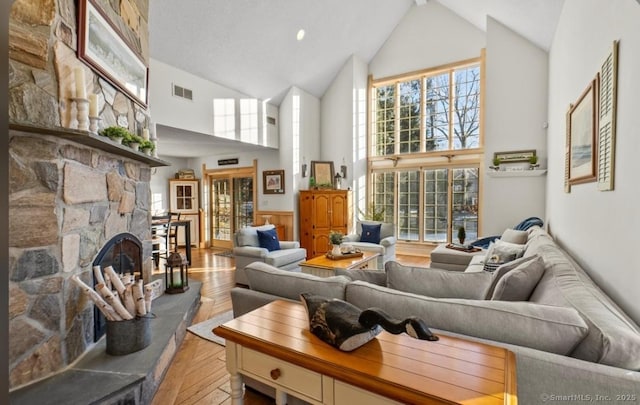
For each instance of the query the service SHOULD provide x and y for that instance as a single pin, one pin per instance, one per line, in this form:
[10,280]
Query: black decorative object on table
[412,326]
[347,327]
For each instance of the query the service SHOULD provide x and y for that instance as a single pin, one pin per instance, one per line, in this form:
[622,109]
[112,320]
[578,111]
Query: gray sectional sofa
[573,344]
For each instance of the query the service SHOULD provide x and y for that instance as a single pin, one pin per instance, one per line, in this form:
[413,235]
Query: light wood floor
[197,374]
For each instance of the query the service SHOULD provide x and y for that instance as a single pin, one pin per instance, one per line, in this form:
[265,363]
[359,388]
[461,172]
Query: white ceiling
[251,46]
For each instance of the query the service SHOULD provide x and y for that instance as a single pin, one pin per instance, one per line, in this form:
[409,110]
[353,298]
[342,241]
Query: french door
[231,204]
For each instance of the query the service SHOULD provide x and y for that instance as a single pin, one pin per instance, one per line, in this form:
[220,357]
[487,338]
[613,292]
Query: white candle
[145,134]
[93,105]
[81,92]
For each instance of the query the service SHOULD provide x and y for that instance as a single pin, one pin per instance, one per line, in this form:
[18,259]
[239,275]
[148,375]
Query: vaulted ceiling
[251,46]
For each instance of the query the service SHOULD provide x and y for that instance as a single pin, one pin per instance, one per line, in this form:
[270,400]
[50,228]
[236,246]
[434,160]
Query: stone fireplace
[70,192]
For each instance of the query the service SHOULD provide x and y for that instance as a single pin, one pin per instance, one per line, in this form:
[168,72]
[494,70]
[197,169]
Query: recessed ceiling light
[300,35]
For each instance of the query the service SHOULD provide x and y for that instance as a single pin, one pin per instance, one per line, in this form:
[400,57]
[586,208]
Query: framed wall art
[322,173]
[103,48]
[515,156]
[581,139]
[273,181]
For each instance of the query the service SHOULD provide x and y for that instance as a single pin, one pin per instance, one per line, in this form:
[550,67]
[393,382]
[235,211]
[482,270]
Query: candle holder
[73,123]
[95,124]
[82,113]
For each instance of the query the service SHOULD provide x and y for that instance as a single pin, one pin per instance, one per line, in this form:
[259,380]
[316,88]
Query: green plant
[533,159]
[497,161]
[372,214]
[146,144]
[131,138]
[336,237]
[461,234]
[115,132]
[312,182]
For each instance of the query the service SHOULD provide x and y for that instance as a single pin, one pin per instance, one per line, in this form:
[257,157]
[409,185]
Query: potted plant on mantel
[496,163]
[533,162]
[116,134]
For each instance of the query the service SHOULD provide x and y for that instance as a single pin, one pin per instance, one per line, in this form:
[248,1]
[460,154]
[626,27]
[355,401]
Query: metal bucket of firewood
[124,337]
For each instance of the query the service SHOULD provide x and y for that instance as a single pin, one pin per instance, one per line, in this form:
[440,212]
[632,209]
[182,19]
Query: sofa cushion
[552,329]
[248,236]
[386,230]
[283,257]
[370,233]
[268,239]
[504,252]
[268,279]
[513,236]
[518,284]
[502,270]
[437,283]
[613,339]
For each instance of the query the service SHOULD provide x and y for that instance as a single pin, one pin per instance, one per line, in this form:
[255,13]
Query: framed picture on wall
[273,181]
[322,173]
[581,148]
[103,48]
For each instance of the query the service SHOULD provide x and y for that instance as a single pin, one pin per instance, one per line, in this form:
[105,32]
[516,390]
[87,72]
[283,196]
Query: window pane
[437,112]
[465,203]
[409,116]
[436,205]
[385,120]
[408,205]
[466,120]
[383,193]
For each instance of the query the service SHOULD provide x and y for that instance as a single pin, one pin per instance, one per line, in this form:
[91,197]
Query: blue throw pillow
[370,233]
[269,240]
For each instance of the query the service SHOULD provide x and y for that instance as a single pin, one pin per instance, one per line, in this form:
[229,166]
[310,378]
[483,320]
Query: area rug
[204,329]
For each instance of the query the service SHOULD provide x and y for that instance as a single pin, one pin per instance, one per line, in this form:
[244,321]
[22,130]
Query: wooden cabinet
[184,198]
[322,211]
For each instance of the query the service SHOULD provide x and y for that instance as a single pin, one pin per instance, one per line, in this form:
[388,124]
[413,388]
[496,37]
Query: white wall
[343,127]
[600,229]
[299,141]
[427,36]
[196,115]
[515,114]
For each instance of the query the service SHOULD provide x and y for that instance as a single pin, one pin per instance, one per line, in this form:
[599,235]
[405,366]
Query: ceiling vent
[182,92]
[271,120]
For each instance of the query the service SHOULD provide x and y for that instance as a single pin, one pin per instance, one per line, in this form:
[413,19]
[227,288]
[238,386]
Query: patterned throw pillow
[370,233]
[269,240]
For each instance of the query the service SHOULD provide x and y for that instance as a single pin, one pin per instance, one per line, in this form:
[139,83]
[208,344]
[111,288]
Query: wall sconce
[304,170]
[343,171]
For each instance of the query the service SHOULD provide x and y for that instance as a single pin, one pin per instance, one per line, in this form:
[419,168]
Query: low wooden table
[324,267]
[273,344]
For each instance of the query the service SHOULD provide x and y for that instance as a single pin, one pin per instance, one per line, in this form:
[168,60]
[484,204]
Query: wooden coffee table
[324,267]
[273,345]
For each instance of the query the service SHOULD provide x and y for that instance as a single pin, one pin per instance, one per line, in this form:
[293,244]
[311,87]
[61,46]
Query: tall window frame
[407,141]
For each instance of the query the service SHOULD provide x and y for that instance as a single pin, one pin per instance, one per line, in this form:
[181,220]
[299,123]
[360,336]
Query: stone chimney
[69,191]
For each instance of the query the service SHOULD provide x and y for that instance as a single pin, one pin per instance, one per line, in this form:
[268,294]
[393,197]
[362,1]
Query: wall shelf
[517,173]
[89,139]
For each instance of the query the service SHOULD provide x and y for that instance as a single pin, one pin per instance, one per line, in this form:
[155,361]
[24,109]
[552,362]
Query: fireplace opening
[123,252]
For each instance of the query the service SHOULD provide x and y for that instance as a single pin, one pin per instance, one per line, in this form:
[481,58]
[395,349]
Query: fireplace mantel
[90,139]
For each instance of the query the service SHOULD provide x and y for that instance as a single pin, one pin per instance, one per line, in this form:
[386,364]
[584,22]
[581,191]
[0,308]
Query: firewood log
[138,297]
[106,309]
[114,302]
[115,279]
[148,292]
[128,300]
[97,273]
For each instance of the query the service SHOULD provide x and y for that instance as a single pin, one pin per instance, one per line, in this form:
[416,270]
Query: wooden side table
[273,345]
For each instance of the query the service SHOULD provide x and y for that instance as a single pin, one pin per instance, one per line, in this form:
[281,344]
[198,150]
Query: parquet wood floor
[197,374]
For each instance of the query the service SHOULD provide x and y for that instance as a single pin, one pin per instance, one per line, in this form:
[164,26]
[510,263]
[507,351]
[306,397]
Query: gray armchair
[247,250]
[386,247]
